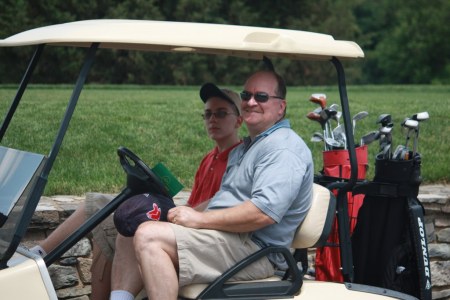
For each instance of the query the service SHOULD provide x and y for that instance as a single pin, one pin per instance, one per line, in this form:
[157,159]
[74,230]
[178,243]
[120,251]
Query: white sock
[38,250]
[121,295]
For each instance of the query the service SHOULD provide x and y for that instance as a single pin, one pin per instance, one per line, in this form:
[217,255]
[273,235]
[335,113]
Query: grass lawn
[163,124]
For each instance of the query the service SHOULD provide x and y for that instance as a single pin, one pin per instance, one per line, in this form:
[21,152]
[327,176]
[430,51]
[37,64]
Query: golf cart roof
[242,41]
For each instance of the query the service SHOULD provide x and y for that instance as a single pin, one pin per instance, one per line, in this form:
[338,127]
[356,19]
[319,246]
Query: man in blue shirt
[265,194]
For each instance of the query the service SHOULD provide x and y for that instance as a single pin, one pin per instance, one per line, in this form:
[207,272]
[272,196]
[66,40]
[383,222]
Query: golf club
[357,117]
[339,134]
[370,137]
[385,141]
[384,119]
[316,117]
[410,125]
[320,99]
[422,116]
[338,115]
[332,143]
[318,137]
[326,114]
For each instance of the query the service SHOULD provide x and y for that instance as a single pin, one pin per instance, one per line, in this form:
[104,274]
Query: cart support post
[89,60]
[342,205]
[23,85]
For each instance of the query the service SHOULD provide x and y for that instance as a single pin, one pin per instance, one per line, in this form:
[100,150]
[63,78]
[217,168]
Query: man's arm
[202,206]
[245,217]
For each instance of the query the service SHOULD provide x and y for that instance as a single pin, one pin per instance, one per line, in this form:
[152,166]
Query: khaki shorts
[204,255]
[104,234]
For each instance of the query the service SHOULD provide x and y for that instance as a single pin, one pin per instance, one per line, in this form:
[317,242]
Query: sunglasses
[259,96]
[221,114]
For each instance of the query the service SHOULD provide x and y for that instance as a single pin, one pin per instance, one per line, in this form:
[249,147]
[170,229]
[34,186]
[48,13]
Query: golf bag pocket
[336,163]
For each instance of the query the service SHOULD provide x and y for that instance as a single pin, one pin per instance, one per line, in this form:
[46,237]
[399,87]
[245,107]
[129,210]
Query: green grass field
[163,124]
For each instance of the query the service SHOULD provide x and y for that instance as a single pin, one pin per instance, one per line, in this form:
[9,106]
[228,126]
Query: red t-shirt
[209,176]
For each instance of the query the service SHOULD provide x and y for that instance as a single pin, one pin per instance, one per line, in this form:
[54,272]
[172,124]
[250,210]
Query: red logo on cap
[155,213]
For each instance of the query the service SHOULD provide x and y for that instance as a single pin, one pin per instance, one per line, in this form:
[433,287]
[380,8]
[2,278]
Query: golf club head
[357,117]
[313,116]
[326,113]
[316,117]
[320,99]
[334,106]
[360,115]
[422,116]
[317,110]
[317,137]
[370,137]
[384,119]
[410,123]
[332,143]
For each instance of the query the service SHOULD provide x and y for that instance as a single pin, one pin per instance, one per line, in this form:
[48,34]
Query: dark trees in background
[404,41]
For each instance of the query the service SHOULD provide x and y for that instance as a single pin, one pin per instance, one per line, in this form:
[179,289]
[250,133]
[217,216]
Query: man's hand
[185,216]
[245,217]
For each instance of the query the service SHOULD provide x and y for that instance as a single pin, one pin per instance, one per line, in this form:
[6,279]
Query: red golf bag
[336,164]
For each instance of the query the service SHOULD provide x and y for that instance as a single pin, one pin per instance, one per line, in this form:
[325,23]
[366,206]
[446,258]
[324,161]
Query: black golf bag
[389,241]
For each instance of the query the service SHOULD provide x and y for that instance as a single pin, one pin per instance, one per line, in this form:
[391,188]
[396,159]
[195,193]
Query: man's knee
[151,234]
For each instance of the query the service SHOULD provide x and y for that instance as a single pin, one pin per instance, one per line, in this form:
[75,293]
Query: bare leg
[156,252]
[64,229]
[125,270]
[101,274]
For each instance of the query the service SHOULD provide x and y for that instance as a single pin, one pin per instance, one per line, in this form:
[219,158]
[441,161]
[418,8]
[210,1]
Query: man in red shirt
[222,117]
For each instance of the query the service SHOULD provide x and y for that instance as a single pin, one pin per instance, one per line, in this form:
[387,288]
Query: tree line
[404,41]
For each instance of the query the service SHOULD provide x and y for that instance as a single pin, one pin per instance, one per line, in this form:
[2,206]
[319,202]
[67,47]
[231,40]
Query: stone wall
[71,275]
[436,201]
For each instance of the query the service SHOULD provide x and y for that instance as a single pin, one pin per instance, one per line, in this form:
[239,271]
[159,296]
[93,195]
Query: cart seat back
[316,226]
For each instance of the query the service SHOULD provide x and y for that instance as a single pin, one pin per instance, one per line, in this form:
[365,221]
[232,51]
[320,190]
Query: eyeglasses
[259,96]
[221,114]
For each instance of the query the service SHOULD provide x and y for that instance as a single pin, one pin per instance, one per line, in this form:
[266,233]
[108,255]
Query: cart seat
[312,232]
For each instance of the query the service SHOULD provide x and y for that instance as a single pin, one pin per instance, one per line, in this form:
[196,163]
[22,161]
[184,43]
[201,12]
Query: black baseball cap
[139,209]
[209,90]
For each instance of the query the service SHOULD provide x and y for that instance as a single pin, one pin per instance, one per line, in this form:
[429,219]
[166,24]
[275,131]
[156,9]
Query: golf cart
[24,174]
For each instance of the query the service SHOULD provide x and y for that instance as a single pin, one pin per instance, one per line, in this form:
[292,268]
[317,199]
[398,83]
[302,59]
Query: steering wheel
[140,178]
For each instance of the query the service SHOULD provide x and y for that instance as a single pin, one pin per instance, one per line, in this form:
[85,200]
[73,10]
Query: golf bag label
[336,164]
[389,241]
[420,238]
[424,249]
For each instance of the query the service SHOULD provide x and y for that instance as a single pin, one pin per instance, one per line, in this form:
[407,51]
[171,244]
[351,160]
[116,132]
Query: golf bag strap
[382,189]
[324,180]
[419,240]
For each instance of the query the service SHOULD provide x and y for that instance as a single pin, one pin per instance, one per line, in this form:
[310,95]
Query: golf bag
[389,241]
[336,166]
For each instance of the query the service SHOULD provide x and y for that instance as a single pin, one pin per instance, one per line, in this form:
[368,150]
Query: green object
[168,179]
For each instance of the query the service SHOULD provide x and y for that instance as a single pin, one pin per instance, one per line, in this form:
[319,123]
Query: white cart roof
[243,41]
